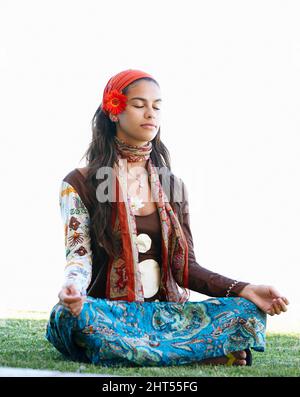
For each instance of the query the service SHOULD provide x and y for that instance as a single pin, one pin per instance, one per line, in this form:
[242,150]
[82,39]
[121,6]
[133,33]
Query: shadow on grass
[23,345]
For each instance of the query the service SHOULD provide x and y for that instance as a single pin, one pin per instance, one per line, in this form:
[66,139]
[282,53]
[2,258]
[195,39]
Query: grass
[23,345]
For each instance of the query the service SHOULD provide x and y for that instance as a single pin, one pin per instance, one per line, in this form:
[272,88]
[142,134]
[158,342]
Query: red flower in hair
[114,102]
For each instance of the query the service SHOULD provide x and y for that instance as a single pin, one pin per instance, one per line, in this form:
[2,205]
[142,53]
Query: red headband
[113,100]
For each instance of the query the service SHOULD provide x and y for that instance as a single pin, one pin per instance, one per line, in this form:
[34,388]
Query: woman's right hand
[71,298]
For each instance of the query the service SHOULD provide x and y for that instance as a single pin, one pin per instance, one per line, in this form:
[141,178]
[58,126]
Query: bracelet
[230,288]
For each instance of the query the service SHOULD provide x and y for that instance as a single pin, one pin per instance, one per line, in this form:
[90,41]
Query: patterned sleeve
[75,216]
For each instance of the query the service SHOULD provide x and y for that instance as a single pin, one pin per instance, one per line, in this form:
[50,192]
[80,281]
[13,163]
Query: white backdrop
[230,79]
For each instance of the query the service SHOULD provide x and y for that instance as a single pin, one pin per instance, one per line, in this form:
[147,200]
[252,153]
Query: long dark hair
[102,153]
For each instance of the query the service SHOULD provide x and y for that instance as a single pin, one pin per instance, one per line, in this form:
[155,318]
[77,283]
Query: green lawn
[23,345]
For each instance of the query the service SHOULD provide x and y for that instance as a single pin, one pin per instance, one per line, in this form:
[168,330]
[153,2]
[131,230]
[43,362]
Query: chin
[149,135]
[143,138]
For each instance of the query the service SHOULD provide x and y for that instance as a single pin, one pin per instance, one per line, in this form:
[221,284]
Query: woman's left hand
[266,297]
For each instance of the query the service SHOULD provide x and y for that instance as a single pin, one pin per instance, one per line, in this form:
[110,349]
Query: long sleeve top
[86,260]
[76,220]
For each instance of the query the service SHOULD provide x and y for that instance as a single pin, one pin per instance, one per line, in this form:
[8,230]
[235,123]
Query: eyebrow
[144,99]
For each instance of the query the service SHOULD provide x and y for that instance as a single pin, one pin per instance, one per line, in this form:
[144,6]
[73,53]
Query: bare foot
[240,355]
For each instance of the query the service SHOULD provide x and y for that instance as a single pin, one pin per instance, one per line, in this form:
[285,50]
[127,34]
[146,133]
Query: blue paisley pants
[110,333]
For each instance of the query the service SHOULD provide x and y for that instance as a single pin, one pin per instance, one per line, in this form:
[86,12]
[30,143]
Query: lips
[148,124]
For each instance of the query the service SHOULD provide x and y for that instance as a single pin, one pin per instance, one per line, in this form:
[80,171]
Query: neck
[137,156]
[130,141]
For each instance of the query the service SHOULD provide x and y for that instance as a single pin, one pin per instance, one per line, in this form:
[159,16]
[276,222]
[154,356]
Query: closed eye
[143,106]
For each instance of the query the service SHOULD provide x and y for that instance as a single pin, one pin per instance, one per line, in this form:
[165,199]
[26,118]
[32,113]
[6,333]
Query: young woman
[130,258]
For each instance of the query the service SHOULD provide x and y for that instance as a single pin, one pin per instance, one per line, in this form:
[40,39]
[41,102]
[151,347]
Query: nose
[150,113]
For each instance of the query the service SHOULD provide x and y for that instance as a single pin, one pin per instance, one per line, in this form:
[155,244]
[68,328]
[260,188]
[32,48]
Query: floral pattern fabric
[76,220]
[110,333]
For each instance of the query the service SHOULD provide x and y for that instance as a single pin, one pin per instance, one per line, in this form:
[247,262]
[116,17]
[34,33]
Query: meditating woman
[130,261]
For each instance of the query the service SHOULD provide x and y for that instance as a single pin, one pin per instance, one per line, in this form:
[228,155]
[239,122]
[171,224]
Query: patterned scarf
[123,276]
[133,153]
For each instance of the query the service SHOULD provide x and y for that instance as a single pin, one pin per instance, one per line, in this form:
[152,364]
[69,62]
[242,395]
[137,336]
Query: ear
[113,118]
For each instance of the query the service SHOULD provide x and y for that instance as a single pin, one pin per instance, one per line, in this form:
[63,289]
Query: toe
[241,354]
[240,362]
